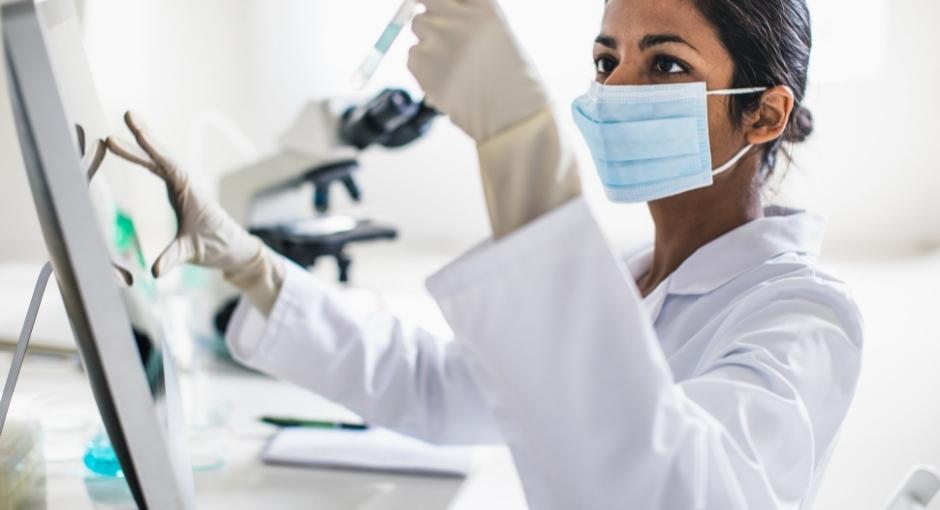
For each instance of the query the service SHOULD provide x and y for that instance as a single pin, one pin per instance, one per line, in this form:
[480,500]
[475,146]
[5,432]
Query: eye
[669,65]
[605,65]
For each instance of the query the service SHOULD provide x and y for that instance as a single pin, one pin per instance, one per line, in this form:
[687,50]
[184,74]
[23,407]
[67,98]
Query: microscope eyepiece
[391,119]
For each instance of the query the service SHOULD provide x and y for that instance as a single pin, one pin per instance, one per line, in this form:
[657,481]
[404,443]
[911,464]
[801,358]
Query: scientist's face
[646,42]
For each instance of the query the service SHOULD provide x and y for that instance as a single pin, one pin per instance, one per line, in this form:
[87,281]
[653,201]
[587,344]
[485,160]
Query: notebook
[374,450]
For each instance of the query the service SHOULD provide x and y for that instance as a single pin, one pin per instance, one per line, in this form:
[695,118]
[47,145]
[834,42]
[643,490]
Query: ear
[769,121]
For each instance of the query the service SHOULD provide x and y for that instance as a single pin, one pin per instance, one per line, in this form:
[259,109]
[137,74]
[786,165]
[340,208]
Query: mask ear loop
[735,92]
[740,155]
[734,161]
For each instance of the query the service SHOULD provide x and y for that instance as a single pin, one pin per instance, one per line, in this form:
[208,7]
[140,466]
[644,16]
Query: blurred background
[219,81]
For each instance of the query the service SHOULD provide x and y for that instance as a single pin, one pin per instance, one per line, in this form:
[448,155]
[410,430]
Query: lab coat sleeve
[566,356]
[393,375]
[527,171]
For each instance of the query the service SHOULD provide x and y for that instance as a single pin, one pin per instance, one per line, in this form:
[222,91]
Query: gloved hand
[207,236]
[92,161]
[472,68]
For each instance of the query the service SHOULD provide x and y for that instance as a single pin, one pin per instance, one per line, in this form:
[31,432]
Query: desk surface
[244,482]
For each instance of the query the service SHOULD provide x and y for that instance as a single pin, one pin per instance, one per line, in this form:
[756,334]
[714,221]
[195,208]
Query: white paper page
[373,450]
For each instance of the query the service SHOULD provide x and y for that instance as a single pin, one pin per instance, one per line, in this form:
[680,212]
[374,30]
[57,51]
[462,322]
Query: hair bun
[801,125]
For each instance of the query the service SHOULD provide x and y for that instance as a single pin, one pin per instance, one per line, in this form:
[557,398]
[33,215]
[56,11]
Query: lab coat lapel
[638,264]
[780,231]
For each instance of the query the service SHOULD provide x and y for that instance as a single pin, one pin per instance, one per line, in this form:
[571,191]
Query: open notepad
[375,449]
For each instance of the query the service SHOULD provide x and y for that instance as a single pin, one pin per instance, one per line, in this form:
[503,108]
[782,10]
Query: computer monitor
[57,113]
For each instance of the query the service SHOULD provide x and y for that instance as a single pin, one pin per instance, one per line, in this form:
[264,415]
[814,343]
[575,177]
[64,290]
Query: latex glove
[472,68]
[92,161]
[207,236]
[527,172]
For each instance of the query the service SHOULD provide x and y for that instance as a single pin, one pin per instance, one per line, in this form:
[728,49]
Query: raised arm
[473,69]
[564,350]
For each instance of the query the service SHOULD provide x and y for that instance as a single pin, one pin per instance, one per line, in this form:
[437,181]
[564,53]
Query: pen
[312,424]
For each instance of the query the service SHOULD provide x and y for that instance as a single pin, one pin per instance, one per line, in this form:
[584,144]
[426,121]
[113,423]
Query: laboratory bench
[228,447]
[223,405]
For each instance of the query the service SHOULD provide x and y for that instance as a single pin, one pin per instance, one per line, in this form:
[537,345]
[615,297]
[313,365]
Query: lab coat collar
[780,231]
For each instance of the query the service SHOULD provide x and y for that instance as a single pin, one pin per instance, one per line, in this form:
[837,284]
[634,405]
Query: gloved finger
[423,63]
[441,5]
[101,150]
[180,251]
[419,26]
[123,150]
[80,133]
[427,25]
[143,140]
[416,61]
[431,4]
[123,274]
[453,8]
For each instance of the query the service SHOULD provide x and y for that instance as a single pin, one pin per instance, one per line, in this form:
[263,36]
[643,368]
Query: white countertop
[384,271]
[244,482]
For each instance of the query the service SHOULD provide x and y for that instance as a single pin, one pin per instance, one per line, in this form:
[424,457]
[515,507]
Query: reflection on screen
[83,106]
[141,298]
[107,190]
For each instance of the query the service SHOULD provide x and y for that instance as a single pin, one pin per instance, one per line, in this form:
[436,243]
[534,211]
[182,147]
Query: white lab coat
[723,389]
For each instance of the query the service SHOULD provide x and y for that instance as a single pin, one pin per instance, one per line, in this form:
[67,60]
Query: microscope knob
[352,188]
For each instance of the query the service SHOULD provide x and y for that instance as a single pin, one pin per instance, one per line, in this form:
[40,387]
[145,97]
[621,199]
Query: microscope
[286,200]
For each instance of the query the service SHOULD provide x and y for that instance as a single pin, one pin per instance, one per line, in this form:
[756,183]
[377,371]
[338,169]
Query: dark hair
[770,43]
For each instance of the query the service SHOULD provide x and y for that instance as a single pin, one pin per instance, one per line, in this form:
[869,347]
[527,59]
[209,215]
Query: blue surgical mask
[651,141]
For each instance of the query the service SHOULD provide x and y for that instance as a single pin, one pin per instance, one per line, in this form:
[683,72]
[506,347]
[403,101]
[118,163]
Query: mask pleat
[648,141]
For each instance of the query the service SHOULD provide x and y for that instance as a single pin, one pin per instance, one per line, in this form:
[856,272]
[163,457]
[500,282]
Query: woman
[723,386]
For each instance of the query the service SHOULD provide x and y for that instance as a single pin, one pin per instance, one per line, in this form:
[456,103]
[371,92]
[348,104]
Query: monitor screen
[117,327]
[85,112]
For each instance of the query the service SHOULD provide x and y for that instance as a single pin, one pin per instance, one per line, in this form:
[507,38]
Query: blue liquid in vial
[101,459]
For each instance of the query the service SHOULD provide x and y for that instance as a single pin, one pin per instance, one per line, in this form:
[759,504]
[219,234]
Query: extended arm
[390,373]
[293,328]
[207,235]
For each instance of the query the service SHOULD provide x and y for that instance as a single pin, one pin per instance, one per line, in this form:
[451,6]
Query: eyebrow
[606,40]
[647,42]
[657,39]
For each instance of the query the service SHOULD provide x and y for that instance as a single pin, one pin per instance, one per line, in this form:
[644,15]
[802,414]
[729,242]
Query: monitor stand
[20,354]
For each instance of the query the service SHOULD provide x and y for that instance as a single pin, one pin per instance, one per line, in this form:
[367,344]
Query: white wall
[173,62]
[170,61]
[255,61]
[871,167]
[894,419]
[20,238]
[867,168]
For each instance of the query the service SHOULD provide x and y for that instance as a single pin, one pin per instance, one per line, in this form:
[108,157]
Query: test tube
[368,68]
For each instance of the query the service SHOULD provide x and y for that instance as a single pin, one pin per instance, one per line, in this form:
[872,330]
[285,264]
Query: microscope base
[305,249]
